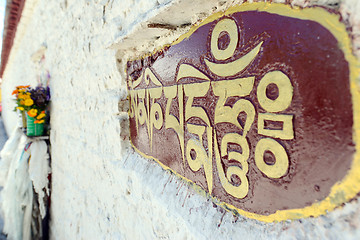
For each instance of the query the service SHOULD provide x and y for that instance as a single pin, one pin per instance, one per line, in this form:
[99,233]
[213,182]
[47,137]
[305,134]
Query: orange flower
[15,92]
[36,121]
[21,86]
[32,112]
[22,102]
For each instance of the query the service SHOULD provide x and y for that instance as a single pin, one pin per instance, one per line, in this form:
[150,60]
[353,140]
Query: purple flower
[48,96]
[40,96]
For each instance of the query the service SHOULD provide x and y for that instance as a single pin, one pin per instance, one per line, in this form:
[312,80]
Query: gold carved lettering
[230,88]
[228,69]
[156,118]
[192,91]
[141,109]
[229,26]
[281,165]
[232,68]
[284,86]
[140,106]
[238,190]
[282,102]
[224,89]
[200,157]
[287,131]
[233,176]
[171,121]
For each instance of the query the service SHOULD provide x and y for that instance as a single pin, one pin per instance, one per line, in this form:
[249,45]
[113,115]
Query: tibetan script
[253,106]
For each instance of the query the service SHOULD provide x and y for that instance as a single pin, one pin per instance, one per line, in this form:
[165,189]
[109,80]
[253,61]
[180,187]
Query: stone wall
[101,188]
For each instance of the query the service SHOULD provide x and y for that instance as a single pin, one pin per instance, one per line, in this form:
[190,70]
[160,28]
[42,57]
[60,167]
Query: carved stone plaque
[255,106]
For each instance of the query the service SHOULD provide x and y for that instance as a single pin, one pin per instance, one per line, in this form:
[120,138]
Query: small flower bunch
[33,101]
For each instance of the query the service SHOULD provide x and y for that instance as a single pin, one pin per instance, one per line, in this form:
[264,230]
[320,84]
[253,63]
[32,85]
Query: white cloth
[39,171]
[21,171]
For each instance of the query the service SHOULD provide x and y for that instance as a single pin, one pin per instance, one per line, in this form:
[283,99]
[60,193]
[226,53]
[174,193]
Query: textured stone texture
[101,188]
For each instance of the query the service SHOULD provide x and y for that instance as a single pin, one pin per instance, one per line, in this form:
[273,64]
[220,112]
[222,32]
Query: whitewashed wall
[101,189]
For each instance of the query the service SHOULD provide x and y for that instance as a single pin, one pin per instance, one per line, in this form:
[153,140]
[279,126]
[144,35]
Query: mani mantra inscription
[254,106]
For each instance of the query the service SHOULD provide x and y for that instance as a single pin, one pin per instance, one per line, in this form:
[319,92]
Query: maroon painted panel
[177,120]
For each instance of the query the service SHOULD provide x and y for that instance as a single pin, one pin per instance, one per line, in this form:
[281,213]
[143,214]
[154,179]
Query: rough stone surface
[101,188]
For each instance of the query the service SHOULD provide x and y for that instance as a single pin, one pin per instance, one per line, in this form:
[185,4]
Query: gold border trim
[344,190]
